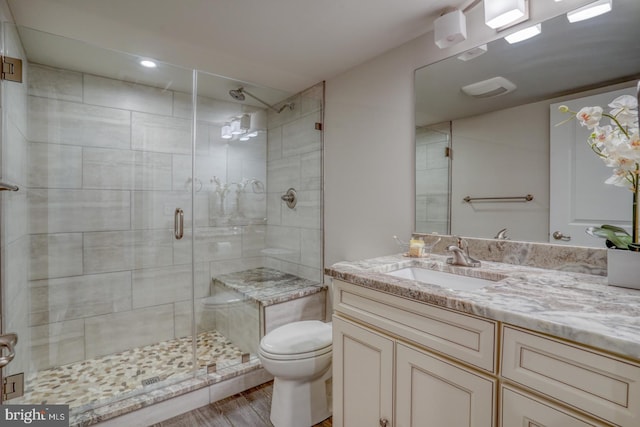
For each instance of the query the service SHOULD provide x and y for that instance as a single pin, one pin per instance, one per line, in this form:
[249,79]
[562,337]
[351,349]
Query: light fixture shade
[524,34]
[589,11]
[450,29]
[235,127]
[498,13]
[225,132]
[245,123]
[473,53]
[258,121]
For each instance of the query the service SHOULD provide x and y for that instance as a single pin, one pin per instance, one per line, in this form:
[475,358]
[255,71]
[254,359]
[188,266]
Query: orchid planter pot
[623,268]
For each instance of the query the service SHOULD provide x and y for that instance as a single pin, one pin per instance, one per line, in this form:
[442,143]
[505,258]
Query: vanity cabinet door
[434,392]
[521,409]
[362,376]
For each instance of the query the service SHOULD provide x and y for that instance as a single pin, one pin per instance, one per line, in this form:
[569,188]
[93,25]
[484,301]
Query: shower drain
[149,381]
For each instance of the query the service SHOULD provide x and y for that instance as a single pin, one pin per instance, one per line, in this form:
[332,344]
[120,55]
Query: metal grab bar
[8,187]
[526,198]
[178,224]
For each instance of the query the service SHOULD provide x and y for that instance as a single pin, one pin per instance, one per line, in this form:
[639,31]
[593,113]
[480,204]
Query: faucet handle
[461,242]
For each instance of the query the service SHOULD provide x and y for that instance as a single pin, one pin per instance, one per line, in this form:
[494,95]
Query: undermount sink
[444,279]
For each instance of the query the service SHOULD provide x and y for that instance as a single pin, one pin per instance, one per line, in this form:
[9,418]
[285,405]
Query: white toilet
[298,355]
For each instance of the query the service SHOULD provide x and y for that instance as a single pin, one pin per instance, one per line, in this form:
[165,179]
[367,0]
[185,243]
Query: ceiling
[283,44]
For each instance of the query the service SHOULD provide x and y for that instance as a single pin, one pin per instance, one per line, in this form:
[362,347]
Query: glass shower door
[14,232]
[97,284]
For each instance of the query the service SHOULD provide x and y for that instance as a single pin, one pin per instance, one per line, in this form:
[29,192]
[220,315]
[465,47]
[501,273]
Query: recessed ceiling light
[148,63]
[524,34]
[589,11]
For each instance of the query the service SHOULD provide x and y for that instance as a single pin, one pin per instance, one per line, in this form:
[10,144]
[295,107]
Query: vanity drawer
[521,409]
[596,383]
[466,338]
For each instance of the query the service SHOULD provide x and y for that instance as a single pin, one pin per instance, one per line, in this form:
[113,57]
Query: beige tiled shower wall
[294,236]
[14,232]
[109,161]
[432,178]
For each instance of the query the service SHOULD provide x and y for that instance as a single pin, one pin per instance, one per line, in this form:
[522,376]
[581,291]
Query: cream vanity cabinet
[388,368]
[595,384]
[402,363]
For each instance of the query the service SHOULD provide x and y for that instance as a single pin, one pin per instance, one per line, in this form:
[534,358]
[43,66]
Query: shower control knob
[384,422]
[290,198]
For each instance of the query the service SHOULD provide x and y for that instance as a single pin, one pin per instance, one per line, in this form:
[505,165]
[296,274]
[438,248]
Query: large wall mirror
[500,144]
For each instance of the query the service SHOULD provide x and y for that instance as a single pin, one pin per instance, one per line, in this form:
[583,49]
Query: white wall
[369,148]
[513,161]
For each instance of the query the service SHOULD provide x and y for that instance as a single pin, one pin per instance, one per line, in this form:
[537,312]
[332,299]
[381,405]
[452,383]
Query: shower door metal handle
[178,224]
[5,186]
[9,341]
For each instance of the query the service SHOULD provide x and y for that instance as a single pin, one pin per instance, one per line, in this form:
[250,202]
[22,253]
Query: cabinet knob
[384,422]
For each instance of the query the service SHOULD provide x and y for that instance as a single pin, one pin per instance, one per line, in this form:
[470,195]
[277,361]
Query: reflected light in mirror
[148,63]
[226,131]
[473,53]
[524,34]
[589,11]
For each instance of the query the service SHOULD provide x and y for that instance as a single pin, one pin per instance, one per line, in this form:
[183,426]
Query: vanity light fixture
[148,63]
[498,13]
[258,122]
[245,123]
[473,53]
[589,11]
[524,34]
[235,127]
[450,28]
[225,132]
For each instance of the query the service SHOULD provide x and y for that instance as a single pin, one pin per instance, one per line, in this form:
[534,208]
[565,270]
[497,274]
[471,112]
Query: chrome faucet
[460,252]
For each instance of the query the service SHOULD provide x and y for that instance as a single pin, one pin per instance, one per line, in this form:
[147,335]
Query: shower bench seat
[271,298]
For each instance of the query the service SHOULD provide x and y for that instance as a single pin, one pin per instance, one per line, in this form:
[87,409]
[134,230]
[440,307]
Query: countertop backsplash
[576,259]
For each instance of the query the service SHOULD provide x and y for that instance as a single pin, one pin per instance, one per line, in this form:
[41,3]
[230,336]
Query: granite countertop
[268,286]
[575,306]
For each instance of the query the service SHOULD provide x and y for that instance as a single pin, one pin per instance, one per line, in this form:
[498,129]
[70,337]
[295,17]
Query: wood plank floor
[247,409]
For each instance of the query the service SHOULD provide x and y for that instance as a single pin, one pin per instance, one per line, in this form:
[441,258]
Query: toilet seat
[297,340]
[295,356]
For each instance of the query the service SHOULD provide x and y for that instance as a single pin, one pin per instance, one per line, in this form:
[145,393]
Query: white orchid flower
[619,178]
[624,109]
[589,116]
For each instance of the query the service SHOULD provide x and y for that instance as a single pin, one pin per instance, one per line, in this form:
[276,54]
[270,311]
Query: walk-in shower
[107,302]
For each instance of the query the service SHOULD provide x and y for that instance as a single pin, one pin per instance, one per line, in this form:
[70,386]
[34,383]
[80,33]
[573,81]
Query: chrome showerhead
[237,94]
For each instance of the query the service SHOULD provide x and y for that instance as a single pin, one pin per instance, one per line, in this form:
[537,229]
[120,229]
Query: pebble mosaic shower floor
[104,379]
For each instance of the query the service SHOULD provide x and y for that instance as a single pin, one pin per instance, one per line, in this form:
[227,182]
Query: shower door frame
[5,312]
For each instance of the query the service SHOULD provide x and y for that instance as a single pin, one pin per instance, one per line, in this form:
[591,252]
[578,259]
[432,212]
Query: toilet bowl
[298,355]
